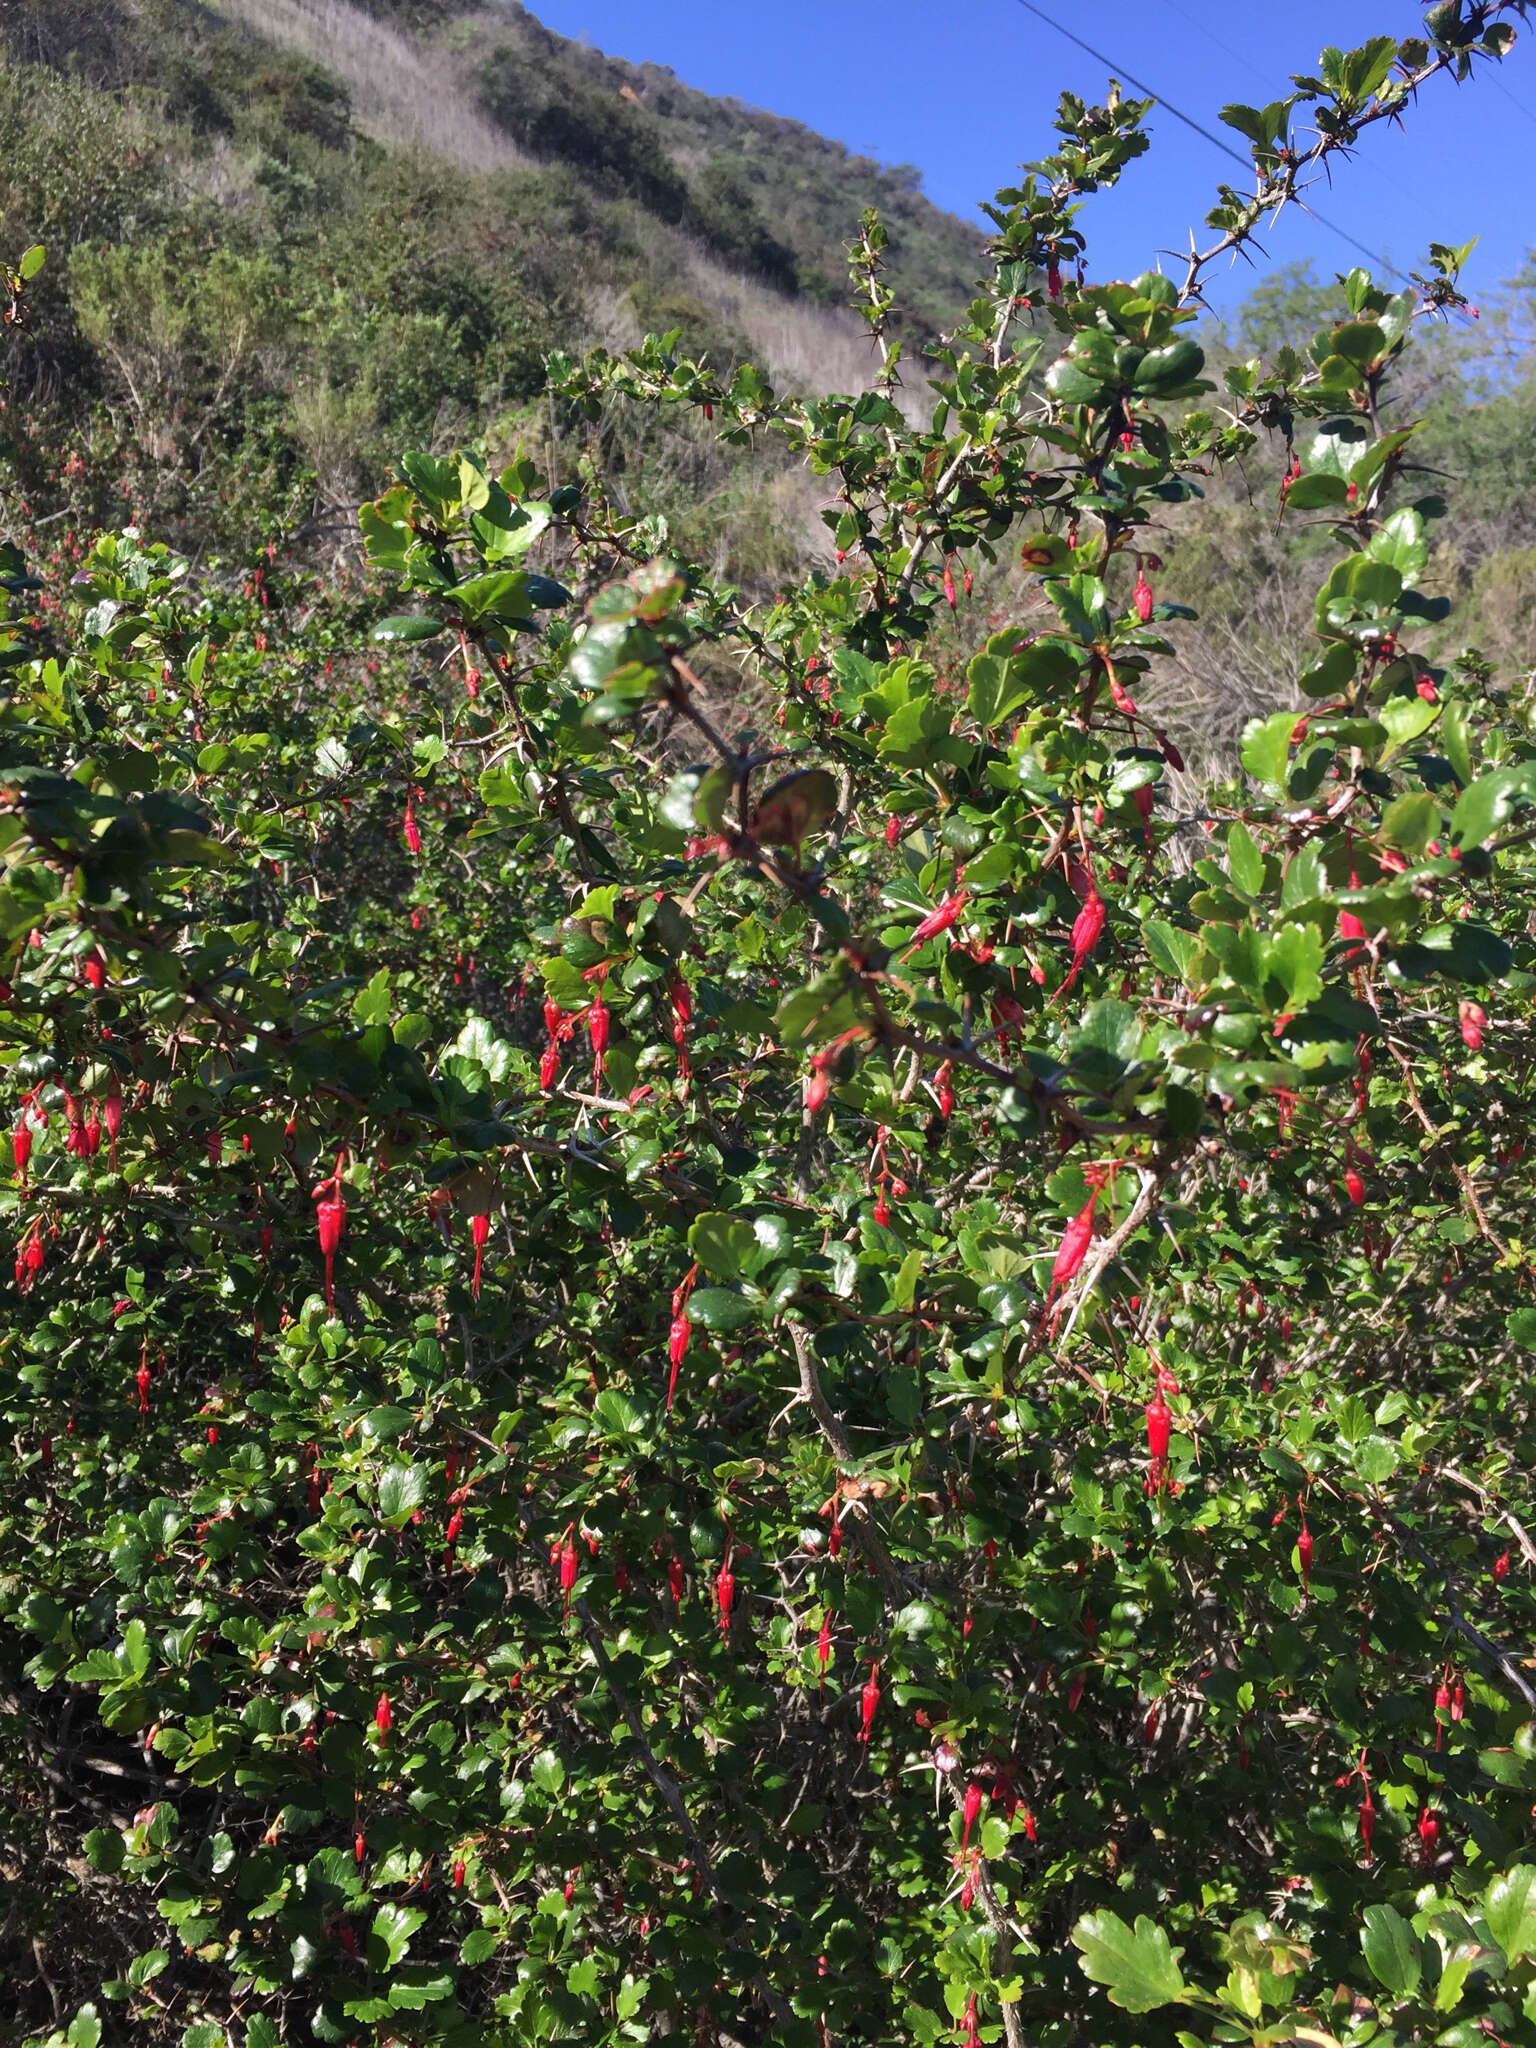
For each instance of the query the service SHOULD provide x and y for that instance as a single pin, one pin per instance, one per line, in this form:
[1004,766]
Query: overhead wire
[1119,71]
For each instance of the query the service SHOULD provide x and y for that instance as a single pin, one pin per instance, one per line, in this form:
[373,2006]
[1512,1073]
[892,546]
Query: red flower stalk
[1086,928]
[479,1232]
[383,1719]
[968,1812]
[869,1703]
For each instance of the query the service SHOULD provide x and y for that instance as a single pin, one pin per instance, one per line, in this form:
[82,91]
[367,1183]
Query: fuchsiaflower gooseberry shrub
[775,1345]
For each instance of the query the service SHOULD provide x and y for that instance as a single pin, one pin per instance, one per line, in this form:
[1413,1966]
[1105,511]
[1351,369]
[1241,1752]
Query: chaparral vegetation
[763,1292]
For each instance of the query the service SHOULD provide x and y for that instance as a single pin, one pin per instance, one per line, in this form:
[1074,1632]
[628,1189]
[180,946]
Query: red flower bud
[383,1719]
[479,1232]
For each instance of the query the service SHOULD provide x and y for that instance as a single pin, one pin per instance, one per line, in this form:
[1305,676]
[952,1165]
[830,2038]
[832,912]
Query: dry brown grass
[401,92]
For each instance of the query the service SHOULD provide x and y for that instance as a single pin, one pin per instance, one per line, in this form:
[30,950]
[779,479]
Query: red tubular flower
[569,1566]
[141,1379]
[675,1579]
[892,830]
[383,1719]
[1472,1018]
[677,1350]
[1086,928]
[824,1646]
[479,1232]
[1159,1427]
[869,1703]
[1073,1249]
[410,827]
[1354,1185]
[93,969]
[949,583]
[1367,1819]
[458,1875]
[1428,1826]
[359,1846]
[938,920]
[1501,1568]
[1304,1558]
[968,1812]
[598,1020]
[330,1221]
[21,1151]
[1142,597]
[725,1592]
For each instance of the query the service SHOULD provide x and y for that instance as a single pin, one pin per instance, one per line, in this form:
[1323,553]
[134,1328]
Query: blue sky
[967,93]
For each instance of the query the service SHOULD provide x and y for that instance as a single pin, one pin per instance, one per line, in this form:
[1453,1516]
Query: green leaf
[1138,1968]
[1491,802]
[547,1772]
[393,1926]
[1002,683]
[718,1308]
[723,1245]
[1509,1907]
[1314,491]
[408,628]
[1245,863]
[1391,1949]
[31,261]
[401,1492]
[1266,748]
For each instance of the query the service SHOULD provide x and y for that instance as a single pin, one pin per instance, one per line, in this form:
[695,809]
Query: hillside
[288,238]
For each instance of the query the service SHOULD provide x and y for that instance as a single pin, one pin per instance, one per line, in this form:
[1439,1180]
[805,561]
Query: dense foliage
[720,1337]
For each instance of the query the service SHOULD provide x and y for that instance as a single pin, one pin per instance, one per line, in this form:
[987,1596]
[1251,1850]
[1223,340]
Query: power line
[1119,71]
